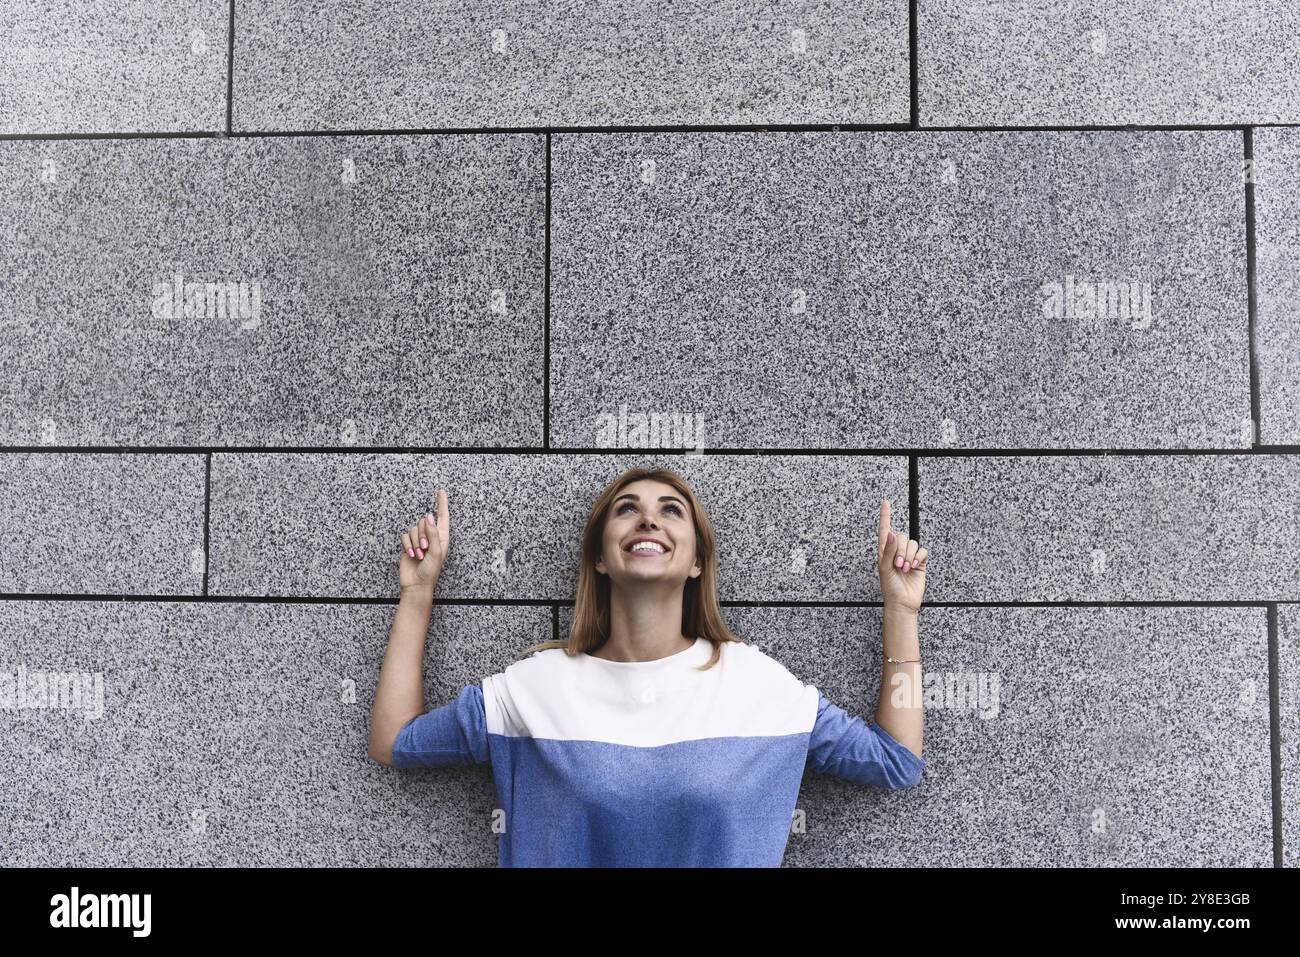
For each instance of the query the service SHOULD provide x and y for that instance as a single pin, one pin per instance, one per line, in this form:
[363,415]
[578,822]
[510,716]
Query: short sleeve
[456,733]
[848,747]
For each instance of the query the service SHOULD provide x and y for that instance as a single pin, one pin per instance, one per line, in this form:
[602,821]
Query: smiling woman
[652,736]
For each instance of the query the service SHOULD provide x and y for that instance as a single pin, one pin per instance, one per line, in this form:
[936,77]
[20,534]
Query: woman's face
[653,513]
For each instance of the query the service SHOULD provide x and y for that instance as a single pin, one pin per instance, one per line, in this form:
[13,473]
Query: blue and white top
[647,763]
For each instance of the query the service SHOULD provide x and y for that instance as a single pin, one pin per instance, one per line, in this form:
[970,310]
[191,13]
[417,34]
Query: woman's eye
[676,509]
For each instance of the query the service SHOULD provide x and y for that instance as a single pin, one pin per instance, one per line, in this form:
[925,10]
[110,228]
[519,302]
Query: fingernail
[432,520]
[907,566]
[889,539]
[420,555]
[898,561]
[411,552]
[424,543]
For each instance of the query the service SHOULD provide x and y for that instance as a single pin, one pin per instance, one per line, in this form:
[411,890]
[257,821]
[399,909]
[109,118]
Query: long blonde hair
[701,615]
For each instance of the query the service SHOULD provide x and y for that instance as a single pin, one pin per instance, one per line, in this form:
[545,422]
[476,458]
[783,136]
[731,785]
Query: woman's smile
[646,546]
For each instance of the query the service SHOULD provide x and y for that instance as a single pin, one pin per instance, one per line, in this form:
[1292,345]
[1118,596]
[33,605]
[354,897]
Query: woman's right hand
[424,548]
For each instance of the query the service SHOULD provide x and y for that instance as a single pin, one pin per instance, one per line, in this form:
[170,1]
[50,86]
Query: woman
[652,736]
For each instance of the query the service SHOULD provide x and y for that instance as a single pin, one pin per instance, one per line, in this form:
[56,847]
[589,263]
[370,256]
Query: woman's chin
[635,576]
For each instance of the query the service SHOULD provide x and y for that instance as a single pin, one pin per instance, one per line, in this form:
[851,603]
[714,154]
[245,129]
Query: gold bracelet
[902,661]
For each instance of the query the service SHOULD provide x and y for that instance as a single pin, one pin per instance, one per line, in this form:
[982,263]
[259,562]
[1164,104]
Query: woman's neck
[645,626]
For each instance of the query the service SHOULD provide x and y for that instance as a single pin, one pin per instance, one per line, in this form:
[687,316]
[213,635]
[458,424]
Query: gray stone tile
[1111,528]
[1102,737]
[246,750]
[94,66]
[1277,287]
[85,523]
[1045,62]
[386,291]
[434,64]
[797,528]
[832,290]
[1288,634]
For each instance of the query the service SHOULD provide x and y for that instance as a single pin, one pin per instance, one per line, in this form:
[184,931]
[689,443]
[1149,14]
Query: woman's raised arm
[902,564]
[400,695]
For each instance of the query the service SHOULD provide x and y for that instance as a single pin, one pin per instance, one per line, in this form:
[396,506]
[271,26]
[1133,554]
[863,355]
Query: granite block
[1277,250]
[1288,634]
[437,64]
[113,66]
[98,523]
[903,290]
[1111,528]
[1140,62]
[297,291]
[235,735]
[1054,737]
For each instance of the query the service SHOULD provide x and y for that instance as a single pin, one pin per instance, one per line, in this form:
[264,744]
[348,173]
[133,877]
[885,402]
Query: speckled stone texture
[511,250]
[1288,628]
[1112,528]
[436,64]
[236,735]
[84,523]
[1062,62]
[392,291]
[1054,737]
[833,290]
[1277,252]
[113,66]
[793,528]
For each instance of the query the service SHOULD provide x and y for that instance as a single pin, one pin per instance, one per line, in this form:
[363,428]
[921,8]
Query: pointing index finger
[882,533]
[444,514]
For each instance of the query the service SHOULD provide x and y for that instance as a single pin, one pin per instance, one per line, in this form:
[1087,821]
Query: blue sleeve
[850,748]
[456,733]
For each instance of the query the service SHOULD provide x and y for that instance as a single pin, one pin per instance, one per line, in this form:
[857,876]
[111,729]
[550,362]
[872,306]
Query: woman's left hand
[902,564]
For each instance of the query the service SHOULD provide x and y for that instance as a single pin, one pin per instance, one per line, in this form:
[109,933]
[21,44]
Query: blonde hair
[701,615]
